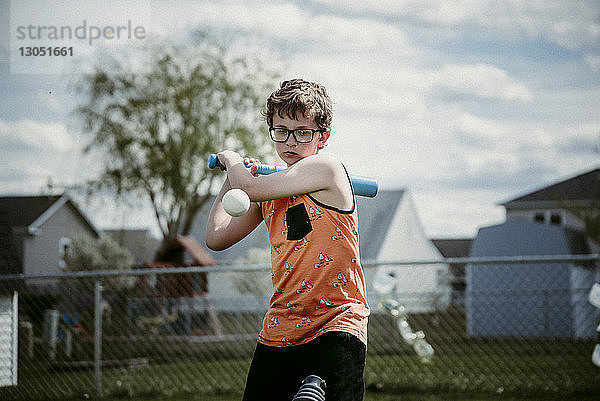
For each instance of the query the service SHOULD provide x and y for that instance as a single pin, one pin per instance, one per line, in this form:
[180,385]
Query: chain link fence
[517,325]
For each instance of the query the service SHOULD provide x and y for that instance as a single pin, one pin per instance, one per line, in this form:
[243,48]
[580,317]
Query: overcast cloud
[464,103]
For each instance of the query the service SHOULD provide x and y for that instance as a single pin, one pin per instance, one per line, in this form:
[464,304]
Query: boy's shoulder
[321,160]
[326,167]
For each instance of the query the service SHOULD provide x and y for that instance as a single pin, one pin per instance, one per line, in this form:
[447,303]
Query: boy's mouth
[289,153]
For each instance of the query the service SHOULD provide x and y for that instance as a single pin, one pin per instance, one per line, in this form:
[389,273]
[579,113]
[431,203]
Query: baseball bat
[363,186]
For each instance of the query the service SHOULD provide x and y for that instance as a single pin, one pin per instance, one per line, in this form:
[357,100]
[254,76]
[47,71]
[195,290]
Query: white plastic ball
[236,202]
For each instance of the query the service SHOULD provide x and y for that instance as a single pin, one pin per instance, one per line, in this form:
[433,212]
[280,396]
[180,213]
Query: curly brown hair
[300,96]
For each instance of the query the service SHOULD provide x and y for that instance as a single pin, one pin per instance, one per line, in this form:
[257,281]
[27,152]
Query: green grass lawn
[463,369]
[408,397]
[388,377]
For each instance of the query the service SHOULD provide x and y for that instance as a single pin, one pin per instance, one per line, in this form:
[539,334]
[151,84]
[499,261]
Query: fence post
[98,337]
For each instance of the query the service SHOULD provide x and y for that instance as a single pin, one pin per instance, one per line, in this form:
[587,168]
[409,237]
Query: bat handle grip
[265,169]
[213,161]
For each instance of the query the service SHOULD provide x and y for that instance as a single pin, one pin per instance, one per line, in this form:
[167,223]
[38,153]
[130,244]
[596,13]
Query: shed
[178,303]
[533,299]
[181,252]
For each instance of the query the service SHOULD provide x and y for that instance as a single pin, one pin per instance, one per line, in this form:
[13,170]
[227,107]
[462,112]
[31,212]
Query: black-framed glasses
[301,135]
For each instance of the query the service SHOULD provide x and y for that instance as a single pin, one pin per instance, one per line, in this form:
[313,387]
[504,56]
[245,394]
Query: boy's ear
[324,137]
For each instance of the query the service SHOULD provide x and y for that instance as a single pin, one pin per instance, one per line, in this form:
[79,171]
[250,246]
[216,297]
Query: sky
[465,103]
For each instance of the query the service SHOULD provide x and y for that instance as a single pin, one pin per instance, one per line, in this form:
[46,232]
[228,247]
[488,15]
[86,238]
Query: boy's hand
[253,163]
[229,158]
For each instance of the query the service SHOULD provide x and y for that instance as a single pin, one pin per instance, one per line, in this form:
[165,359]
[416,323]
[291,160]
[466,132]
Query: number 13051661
[49,51]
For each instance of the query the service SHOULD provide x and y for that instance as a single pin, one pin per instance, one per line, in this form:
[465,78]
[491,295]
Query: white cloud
[280,21]
[47,136]
[593,61]
[481,80]
[34,152]
[560,21]
[457,213]
[356,34]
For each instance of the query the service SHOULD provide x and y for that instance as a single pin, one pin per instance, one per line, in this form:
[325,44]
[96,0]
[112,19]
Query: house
[36,234]
[539,299]
[559,204]
[390,231]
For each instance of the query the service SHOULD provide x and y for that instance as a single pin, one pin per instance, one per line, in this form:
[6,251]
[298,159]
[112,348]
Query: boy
[317,318]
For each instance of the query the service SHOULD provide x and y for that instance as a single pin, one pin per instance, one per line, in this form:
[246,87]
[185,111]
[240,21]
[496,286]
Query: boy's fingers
[253,164]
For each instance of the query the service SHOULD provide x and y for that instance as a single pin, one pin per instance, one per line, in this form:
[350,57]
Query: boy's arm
[223,230]
[319,175]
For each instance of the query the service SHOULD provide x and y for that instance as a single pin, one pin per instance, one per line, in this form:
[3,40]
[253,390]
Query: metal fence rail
[522,324]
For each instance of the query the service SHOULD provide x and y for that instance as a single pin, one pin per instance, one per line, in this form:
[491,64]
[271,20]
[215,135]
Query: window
[556,218]
[64,251]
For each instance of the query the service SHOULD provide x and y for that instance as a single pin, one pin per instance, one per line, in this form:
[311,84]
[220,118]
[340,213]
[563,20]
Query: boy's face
[291,151]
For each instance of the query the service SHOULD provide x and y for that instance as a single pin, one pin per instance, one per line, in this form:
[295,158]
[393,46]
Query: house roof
[522,237]
[33,211]
[21,211]
[374,218]
[583,187]
[197,251]
[199,254]
[454,247]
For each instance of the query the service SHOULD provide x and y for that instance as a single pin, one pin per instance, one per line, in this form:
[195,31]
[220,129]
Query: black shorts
[276,373]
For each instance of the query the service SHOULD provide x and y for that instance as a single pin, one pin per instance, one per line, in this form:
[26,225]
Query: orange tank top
[318,281]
